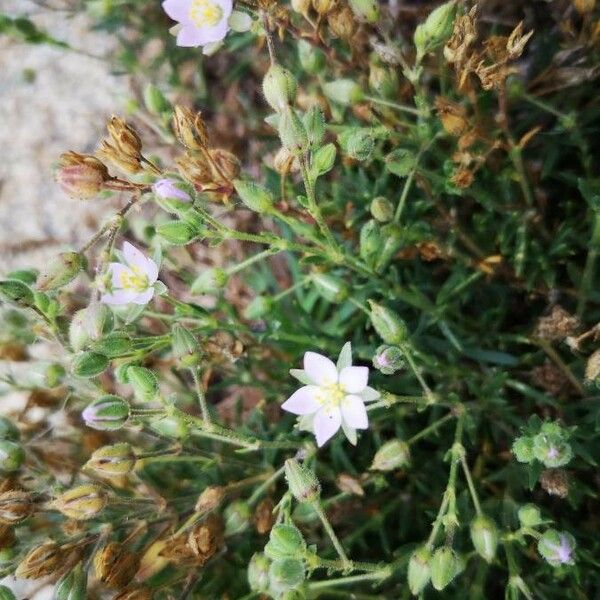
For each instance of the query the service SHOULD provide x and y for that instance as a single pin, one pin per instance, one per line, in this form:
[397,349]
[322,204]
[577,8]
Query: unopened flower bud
[557,547]
[16,292]
[258,573]
[550,446]
[72,585]
[279,87]
[170,196]
[522,448]
[382,209]
[237,517]
[176,233]
[62,270]
[89,325]
[286,574]
[89,364]
[81,175]
[15,506]
[155,100]
[388,325]
[190,129]
[82,502]
[393,455]
[370,241]
[255,197]
[330,287]
[115,566]
[365,10]
[170,427]
[113,461]
[12,456]
[484,535]
[8,430]
[388,359]
[107,413]
[43,560]
[302,482]
[210,281]
[436,29]
[446,564]
[292,132]
[419,570]
[285,541]
[185,347]
[357,142]
[529,515]
[144,383]
[343,91]
[210,499]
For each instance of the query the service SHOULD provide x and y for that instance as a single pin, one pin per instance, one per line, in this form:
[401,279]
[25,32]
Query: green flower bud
[258,308]
[237,517]
[285,541]
[89,325]
[371,241]
[72,585]
[382,209]
[323,160]
[445,566]
[436,29]
[343,91]
[393,239]
[552,449]
[106,414]
[16,292]
[89,364]
[331,288]
[314,123]
[311,59]
[529,515]
[82,502]
[255,197]
[113,461]
[388,325]
[365,10]
[6,594]
[419,570]
[12,456]
[62,270]
[393,455]
[279,87]
[557,548]
[258,573]
[185,347]
[210,281]
[155,100]
[176,233]
[113,345]
[484,535]
[302,482]
[292,133]
[388,359]
[357,142]
[522,448]
[144,383]
[286,574]
[171,427]
[8,430]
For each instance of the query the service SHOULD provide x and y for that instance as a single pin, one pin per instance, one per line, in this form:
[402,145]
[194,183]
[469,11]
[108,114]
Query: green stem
[472,490]
[347,564]
[201,395]
[589,270]
[258,492]
[428,393]
[389,400]
[425,432]
[401,107]
[546,346]
[376,576]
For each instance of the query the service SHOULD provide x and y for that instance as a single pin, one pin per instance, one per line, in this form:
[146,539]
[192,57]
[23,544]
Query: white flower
[133,282]
[334,396]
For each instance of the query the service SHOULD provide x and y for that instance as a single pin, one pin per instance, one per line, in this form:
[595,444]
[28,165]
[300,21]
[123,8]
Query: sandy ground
[51,100]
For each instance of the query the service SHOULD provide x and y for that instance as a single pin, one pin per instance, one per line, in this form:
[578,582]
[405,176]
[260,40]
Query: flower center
[134,280]
[330,396]
[204,13]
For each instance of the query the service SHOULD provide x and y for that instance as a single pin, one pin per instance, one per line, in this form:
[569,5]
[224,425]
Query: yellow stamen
[204,13]
[330,396]
[133,280]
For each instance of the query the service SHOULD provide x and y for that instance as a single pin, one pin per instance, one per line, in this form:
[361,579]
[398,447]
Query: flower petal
[151,271]
[302,401]
[167,188]
[178,10]
[119,297]
[354,379]
[226,5]
[134,257]
[116,272]
[320,369]
[369,394]
[354,412]
[326,423]
[144,297]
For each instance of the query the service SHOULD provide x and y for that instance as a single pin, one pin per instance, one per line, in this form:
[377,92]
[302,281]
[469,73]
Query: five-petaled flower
[132,282]
[333,396]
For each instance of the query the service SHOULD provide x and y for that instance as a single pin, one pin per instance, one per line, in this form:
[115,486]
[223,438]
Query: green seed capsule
[484,535]
[12,456]
[144,383]
[258,573]
[394,454]
[388,325]
[445,566]
[89,364]
[302,482]
[419,570]
[285,541]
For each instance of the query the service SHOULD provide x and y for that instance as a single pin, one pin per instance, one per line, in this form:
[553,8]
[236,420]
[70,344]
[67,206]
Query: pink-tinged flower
[202,22]
[333,396]
[132,282]
[167,189]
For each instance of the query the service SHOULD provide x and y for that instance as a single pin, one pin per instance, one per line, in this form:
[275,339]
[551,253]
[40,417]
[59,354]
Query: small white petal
[118,297]
[135,258]
[320,369]
[369,394]
[326,424]
[144,297]
[302,401]
[354,412]
[354,379]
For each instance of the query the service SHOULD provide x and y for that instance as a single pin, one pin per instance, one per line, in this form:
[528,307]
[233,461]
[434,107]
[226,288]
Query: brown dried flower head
[452,116]
[81,175]
[227,164]
[205,539]
[549,377]
[584,7]
[263,517]
[7,537]
[555,482]
[210,499]
[462,38]
[557,325]
[115,566]
[41,561]
[322,7]
[342,23]
[190,129]
[110,152]
[125,138]
[15,506]
[517,41]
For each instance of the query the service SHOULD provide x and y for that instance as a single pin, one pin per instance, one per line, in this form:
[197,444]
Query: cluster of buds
[208,169]
[549,446]
[439,567]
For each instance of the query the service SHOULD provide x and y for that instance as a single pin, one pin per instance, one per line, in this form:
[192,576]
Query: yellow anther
[204,13]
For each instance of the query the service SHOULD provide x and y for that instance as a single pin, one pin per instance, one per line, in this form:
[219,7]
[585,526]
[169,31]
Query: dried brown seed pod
[205,539]
[557,325]
[81,175]
[41,561]
[115,566]
[210,498]
[452,116]
[555,482]
[82,502]
[15,506]
[190,129]
[263,517]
